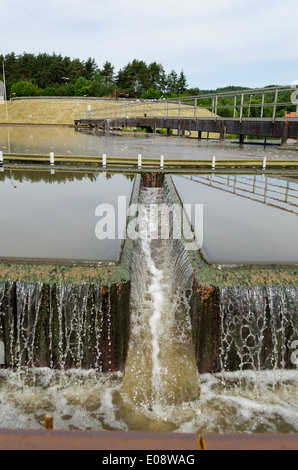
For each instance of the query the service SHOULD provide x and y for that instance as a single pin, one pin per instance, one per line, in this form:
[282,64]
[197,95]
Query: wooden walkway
[280,128]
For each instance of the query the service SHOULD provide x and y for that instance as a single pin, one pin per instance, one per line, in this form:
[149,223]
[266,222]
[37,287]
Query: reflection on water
[52,215]
[247,218]
[69,141]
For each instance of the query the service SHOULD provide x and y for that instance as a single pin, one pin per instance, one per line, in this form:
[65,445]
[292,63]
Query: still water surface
[247,218]
[68,141]
[52,215]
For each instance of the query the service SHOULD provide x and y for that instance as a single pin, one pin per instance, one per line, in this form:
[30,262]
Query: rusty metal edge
[250,441]
[18,439]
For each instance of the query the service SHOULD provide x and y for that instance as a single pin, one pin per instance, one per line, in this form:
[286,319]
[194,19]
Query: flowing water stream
[160,368]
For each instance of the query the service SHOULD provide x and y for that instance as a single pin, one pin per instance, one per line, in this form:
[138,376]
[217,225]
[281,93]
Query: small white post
[264,163]
[162,162]
[213,162]
[52,158]
[104,160]
[140,161]
[1,158]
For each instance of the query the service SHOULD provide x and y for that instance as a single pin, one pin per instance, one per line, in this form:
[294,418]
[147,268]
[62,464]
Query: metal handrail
[174,107]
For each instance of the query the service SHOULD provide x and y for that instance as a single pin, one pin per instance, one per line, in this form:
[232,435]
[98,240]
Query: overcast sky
[217,43]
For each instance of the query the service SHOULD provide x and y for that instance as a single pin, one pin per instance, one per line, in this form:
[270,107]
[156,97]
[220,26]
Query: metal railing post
[275,104]
[241,106]
[235,106]
[216,103]
[262,106]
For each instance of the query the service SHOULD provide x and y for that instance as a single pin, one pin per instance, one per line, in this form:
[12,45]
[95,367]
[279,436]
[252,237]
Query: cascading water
[160,367]
[259,326]
[60,325]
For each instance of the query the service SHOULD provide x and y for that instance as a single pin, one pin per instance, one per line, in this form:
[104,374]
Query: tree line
[54,75]
[44,74]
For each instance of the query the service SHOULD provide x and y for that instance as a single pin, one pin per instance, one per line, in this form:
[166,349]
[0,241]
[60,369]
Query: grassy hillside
[66,111]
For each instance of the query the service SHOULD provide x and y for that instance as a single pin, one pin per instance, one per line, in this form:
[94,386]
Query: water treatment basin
[248,218]
[51,214]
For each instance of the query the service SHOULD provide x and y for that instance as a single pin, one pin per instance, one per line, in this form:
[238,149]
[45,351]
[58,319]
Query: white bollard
[1,158]
[162,162]
[52,158]
[140,161]
[104,160]
[264,163]
[213,162]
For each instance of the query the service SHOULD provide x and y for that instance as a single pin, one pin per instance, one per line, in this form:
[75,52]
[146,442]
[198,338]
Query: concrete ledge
[149,164]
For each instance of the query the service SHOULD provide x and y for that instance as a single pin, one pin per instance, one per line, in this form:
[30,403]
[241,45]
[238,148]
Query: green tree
[133,78]
[25,88]
[83,87]
[26,67]
[172,82]
[89,68]
[75,70]
[85,90]
[156,77]
[151,94]
[108,73]
[181,83]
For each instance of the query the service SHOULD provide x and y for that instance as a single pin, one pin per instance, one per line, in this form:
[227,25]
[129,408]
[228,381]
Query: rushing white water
[160,368]
[249,401]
